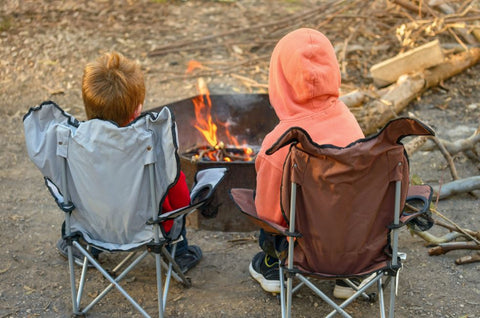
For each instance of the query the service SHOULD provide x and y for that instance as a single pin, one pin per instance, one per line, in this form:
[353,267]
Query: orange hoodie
[304,83]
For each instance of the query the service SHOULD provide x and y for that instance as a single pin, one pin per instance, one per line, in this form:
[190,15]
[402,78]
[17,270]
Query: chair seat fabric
[110,213]
[344,198]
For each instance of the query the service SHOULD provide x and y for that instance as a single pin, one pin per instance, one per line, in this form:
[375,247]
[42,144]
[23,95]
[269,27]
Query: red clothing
[178,197]
[304,83]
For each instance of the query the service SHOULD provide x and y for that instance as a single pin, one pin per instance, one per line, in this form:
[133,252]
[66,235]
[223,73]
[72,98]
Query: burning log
[220,153]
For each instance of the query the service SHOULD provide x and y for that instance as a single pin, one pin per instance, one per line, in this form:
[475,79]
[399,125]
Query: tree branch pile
[457,238]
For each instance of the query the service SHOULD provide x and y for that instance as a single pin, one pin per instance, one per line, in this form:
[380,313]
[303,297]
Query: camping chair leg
[168,276]
[293,198]
[176,268]
[391,312]
[324,297]
[158,265]
[83,277]
[358,293]
[396,220]
[158,269]
[113,282]
[66,200]
[380,298]
[72,280]
[282,290]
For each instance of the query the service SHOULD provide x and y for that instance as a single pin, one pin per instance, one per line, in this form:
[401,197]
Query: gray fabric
[107,175]
[207,179]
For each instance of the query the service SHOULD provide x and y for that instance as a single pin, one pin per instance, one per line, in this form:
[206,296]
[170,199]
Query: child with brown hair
[113,88]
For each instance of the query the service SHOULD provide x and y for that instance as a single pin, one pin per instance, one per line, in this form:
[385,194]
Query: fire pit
[246,118]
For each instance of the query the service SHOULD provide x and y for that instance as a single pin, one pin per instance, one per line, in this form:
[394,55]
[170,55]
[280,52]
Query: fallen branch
[453,228]
[468,259]
[435,240]
[457,227]
[448,157]
[454,147]
[457,187]
[443,248]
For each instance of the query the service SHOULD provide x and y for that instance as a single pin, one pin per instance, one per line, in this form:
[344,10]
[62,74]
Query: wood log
[353,99]
[457,187]
[377,113]
[468,259]
[443,248]
[422,57]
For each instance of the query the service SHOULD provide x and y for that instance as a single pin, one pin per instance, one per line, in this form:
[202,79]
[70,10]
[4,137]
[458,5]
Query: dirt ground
[43,48]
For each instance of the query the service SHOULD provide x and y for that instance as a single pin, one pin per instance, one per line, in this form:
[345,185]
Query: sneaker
[189,259]
[264,269]
[78,257]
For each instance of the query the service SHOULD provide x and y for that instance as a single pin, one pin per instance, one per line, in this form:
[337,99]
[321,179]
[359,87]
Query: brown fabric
[245,201]
[419,198]
[345,197]
[422,190]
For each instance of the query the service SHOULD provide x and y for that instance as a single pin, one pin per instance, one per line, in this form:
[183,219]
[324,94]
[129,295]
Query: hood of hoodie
[304,77]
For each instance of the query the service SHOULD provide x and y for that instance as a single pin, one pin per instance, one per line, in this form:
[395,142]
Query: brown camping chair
[344,207]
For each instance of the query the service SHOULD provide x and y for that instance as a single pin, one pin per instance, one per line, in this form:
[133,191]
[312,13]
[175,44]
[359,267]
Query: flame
[203,114]
[208,128]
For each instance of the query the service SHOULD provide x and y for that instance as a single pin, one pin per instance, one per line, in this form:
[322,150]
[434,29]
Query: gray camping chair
[111,182]
[344,207]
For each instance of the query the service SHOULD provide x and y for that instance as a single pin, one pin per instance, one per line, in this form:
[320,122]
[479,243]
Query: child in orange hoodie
[304,83]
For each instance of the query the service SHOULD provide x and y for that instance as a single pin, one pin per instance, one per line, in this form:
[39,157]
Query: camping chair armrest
[178,212]
[245,200]
[417,206]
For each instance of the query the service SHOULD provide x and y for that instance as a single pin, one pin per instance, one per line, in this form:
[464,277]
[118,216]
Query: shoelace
[267,257]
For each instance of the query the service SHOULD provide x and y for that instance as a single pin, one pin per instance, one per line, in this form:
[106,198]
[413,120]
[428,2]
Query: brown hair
[112,88]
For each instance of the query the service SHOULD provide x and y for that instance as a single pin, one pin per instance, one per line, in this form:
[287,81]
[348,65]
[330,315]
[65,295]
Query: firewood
[457,187]
[443,248]
[377,113]
[353,99]
[468,259]
[422,57]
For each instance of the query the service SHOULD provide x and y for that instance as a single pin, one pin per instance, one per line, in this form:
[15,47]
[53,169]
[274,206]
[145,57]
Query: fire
[216,150]
[204,122]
